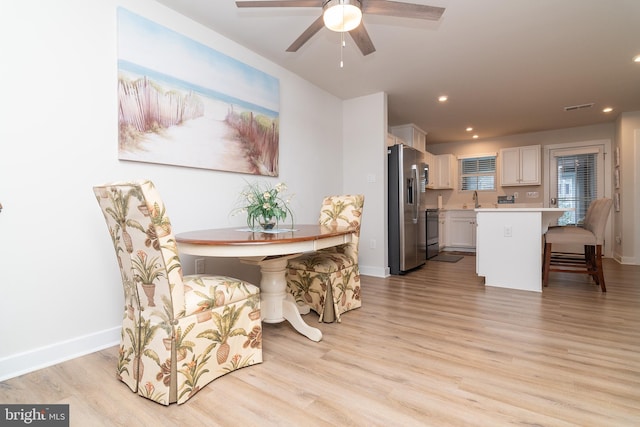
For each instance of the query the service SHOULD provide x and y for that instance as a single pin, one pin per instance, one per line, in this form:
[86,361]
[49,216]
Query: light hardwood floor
[433,347]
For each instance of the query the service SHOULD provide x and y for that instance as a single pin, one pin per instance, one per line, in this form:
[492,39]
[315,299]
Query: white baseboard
[42,357]
[626,260]
[458,249]
[374,271]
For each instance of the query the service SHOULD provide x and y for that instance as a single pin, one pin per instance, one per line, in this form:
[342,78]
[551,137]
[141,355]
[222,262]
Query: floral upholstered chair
[328,281]
[178,332]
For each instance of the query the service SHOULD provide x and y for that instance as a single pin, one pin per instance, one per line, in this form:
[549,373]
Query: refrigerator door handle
[416,204]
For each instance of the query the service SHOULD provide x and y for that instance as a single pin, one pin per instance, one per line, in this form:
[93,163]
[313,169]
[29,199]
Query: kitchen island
[509,245]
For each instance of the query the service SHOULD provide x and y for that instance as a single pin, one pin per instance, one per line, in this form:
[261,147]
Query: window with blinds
[577,186]
[478,173]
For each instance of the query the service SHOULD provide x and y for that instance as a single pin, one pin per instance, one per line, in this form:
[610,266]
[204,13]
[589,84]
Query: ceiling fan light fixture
[342,15]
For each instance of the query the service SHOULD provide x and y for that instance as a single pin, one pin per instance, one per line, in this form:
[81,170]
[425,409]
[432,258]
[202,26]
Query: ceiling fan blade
[402,10]
[317,25]
[362,40]
[290,3]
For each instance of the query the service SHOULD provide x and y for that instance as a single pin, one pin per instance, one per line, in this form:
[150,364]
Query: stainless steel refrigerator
[408,177]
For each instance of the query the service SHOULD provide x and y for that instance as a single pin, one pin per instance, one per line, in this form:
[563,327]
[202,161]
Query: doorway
[575,175]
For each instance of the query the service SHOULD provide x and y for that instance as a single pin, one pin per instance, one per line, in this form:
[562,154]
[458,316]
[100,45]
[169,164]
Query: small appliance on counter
[505,200]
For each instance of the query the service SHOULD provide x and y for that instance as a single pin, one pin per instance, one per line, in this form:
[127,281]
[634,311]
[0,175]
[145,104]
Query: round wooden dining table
[270,250]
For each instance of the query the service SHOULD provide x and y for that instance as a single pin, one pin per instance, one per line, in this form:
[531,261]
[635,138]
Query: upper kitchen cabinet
[520,166]
[412,135]
[393,140]
[444,173]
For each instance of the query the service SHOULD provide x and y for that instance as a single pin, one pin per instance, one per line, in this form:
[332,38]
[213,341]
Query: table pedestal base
[276,304]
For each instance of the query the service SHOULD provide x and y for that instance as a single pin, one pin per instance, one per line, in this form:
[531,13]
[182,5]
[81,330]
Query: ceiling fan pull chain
[342,40]
[342,44]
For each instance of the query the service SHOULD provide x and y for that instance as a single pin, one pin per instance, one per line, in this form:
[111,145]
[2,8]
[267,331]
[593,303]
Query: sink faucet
[475,199]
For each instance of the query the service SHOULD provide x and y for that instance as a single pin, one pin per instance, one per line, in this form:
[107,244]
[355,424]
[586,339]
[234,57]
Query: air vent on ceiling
[578,107]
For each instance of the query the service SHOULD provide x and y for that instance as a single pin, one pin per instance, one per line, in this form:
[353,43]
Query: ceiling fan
[346,16]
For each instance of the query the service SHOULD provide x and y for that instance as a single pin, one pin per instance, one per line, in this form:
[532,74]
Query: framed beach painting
[183,103]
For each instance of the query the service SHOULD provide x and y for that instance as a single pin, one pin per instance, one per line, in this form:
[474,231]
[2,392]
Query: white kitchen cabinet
[444,176]
[412,135]
[393,140]
[461,229]
[520,166]
[442,230]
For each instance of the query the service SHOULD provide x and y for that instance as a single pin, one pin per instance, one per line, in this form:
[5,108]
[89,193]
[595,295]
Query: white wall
[61,290]
[627,221]
[365,164]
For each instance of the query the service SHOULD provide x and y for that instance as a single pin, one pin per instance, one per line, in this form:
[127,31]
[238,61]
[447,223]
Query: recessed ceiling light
[443,98]
[469,129]
[607,110]
[475,137]
[636,58]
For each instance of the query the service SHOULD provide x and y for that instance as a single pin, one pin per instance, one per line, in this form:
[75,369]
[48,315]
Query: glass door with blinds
[576,179]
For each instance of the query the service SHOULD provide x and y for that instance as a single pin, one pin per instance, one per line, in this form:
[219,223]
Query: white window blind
[478,173]
[577,185]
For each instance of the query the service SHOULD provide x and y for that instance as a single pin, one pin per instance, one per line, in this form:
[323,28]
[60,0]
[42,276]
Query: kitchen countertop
[471,207]
[520,209]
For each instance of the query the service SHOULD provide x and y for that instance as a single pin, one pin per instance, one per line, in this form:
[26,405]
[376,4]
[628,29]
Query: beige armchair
[328,281]
[590,237]
[178,332]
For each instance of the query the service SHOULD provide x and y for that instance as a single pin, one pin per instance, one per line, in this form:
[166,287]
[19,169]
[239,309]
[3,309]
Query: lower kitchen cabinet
[461,229]
[442,230]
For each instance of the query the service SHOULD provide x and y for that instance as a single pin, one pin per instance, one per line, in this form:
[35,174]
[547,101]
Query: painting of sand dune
[185,104]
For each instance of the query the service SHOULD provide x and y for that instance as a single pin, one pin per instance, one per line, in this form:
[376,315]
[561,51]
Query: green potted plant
[265,205]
